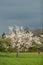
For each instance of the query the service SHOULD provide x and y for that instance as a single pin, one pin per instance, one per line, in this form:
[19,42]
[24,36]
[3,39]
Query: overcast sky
[27,13]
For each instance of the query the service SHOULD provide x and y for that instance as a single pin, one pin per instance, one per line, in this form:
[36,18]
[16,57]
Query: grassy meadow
[23,59]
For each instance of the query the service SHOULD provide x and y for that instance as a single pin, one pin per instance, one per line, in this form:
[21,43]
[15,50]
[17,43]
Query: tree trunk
[17,54]
[38,50]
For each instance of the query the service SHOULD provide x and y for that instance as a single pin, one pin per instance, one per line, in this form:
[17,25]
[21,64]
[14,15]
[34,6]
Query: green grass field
[23,59]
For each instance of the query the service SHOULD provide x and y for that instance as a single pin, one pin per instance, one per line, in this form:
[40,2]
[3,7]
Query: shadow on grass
[7,55]
[4,56]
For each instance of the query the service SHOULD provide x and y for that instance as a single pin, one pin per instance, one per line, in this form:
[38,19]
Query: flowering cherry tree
[21,39]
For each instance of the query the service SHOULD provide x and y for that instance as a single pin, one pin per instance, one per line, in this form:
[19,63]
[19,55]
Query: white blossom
[20,38]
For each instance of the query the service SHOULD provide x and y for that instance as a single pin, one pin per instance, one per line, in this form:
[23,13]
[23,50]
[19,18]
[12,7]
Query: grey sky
[20,12]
